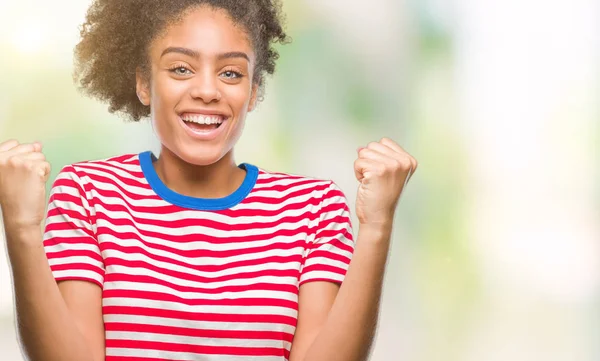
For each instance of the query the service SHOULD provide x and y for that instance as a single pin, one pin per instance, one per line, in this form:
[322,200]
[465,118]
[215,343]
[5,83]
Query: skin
[346,331]
[203,82]
[54,322]
[64,322]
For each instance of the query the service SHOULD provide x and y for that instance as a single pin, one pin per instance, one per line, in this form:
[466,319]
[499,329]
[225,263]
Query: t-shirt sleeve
[69,239]
[328,256]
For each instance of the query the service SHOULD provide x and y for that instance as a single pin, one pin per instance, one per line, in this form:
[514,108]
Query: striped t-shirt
[187,278]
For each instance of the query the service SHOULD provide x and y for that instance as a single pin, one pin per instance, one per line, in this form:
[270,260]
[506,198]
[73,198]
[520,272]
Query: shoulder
[123,161]
[285,182]
[125,165]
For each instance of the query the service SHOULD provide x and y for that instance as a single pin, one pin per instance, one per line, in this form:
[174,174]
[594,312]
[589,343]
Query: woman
[188,256]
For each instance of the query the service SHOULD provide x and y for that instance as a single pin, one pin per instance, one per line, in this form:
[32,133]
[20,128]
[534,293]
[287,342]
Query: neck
[215,180]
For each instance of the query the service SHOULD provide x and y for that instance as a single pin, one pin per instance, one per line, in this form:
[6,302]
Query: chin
[200,155]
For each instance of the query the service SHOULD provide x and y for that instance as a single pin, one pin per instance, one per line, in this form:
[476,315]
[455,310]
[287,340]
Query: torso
[199,279]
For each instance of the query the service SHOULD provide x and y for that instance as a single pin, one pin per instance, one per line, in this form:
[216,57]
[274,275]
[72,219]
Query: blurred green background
[496,252]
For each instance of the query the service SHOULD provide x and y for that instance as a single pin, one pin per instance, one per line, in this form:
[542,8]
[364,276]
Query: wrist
[376,232]
[380,225]
[22,233]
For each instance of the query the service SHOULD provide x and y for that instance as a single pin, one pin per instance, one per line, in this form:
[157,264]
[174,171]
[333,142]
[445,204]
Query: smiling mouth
[202,127]
[203,124]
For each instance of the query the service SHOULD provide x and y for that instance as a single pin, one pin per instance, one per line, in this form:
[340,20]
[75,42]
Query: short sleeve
[69,239]
[327,257]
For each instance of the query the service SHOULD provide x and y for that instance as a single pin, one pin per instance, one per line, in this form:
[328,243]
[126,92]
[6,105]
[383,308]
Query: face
[200,87]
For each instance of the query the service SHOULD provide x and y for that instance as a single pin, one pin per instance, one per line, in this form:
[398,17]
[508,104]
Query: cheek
[239,98]
[165,95]
[166,92]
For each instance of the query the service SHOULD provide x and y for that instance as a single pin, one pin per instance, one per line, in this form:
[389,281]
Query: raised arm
[54,322]
[339,325]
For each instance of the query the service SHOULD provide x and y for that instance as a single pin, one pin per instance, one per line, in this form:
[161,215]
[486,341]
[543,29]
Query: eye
[230,74]
[180,70]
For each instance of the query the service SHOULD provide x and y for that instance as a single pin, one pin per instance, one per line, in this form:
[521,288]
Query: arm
[54,323]
[340,325]
[345,331]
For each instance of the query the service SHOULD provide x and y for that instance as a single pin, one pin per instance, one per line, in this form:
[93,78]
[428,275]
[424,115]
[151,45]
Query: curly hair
[116,36]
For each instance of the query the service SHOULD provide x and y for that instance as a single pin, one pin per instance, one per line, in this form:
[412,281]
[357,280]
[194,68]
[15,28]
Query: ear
[253,96]
[141,87]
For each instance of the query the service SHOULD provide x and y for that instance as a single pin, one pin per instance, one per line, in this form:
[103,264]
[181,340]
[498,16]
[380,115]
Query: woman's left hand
[383,169]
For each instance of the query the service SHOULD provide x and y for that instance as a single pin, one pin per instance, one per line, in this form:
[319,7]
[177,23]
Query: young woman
[187,255]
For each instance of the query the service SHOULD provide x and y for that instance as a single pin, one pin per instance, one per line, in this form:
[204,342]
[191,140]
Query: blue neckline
[206,204]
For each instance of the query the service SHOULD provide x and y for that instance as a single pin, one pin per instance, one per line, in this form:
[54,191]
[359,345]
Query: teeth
[201,119]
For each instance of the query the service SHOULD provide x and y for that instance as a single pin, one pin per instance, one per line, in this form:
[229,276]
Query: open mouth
[201,127]
[203,124]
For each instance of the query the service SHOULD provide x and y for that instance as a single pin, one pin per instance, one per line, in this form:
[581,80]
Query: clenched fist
[23,175]
[383,168]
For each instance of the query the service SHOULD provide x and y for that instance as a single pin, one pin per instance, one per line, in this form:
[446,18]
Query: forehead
[207,30]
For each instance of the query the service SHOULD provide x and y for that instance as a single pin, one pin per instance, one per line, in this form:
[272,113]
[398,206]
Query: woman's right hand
[23,175]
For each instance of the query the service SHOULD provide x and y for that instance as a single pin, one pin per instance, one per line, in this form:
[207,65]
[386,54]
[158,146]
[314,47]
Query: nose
[205,87]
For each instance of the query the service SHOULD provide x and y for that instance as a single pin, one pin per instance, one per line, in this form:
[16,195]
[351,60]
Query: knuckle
[371,145]
[396,163]
[29,165]
[11,141]
[14,161]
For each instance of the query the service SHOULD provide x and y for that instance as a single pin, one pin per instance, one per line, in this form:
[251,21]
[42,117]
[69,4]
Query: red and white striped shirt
[188,278]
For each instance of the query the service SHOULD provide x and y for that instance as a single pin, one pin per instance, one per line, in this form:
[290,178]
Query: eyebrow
[196,55]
